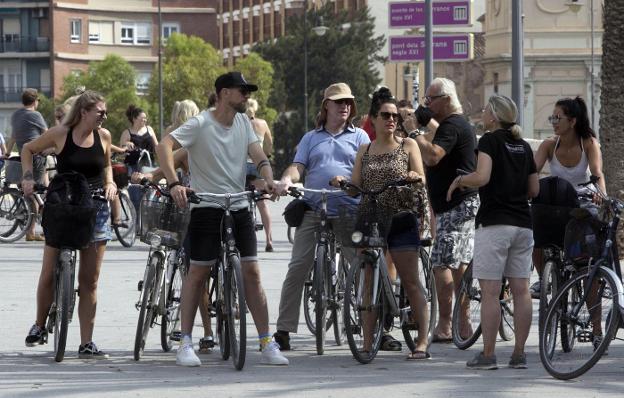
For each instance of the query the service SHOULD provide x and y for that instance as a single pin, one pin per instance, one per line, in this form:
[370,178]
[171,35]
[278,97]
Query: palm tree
[612,98]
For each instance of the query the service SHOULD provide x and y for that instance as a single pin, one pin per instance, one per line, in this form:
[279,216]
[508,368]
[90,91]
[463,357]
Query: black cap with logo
[233,79]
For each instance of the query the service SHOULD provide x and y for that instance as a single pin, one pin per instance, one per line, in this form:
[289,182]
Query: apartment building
[242,23]
[24,53]
[88,30]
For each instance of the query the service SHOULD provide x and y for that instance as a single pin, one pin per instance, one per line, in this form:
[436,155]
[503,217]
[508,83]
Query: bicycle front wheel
[148,304]
[467,308]
[16,215]
[63,299]
[321,291]
[337,313]
[126,229]
[236,311]
[170,321]
[594,320]
[364,311]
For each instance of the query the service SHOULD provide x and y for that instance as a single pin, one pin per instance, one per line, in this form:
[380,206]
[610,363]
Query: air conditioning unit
[40,13]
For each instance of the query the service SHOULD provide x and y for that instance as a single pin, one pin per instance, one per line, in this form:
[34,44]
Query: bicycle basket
[120,175]
[13,171]
[163,221]
[584,239]
[363,219]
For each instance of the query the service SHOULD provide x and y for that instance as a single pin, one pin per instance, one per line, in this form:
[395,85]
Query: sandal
[206,344]
[389,343]
[418,356]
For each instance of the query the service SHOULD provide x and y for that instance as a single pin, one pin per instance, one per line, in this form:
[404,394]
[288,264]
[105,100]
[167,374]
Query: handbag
[294,212]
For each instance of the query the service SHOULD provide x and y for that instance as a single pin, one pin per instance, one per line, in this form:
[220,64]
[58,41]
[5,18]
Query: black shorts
[205,235]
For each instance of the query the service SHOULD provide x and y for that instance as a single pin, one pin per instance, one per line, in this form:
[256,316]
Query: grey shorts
[502,250]
[454,242]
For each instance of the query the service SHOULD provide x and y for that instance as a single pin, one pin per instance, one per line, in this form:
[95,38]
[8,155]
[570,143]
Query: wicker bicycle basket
[161,218]
[362,218]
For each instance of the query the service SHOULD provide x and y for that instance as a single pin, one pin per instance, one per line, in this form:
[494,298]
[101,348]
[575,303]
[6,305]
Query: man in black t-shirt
[449,146]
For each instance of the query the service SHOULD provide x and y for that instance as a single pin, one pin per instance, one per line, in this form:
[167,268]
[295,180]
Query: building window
[137,33]
[460,13]
[100,32]
[75,27]
[169,28]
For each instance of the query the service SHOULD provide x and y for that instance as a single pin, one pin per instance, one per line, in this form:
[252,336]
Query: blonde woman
[261,128]
[181,112]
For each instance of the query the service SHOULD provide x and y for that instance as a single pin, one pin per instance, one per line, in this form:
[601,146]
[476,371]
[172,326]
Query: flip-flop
[439,339]
[418,356]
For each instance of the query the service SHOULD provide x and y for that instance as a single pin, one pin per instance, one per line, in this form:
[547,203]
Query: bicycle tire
[236,311]
[431,296]
[568,332]
[19,215]
[126,236]
[468,290]
[321,282]
[64,291]
[556,312]
[218,300]
[506,327]
[148,298]
[353,309]
[308,302]
[170,320]
[338,292]
[548,289]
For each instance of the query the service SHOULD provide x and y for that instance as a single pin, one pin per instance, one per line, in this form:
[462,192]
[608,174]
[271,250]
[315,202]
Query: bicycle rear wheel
[594,320]
[548,289]
[468,299]
[337,312]
[63,299]
[425,276]
[236,311]
[170,321]
[506,328]
[148,302]
[363,311]
[126,229]
[16,215]
[321,291]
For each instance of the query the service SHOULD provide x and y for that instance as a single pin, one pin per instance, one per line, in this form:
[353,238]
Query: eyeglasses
[429,98]
[102,113]
[243,91]
[554,119]
[342,101]
[388,115]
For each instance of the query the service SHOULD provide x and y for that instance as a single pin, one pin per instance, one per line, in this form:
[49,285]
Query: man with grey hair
[448,148]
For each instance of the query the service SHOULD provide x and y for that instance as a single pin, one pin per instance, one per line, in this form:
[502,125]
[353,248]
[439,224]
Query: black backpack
[550,210]
[69,212]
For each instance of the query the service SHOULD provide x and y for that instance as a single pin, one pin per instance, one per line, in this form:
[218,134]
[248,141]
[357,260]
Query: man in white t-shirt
[218,142]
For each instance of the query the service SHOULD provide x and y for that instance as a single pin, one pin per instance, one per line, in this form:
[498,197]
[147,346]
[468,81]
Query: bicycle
[61,310]
[163,227]
[372,300]
[323,292]
[590,304]
[469,296]
[16,212]
[228,291]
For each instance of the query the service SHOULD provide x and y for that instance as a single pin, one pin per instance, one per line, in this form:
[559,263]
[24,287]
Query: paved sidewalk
[32,372]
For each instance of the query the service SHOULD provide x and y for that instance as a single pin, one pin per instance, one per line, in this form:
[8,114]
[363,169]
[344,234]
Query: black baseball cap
[233,79]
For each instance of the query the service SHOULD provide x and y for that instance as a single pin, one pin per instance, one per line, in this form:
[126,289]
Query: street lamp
[161,123]
[319,30]
[575,7]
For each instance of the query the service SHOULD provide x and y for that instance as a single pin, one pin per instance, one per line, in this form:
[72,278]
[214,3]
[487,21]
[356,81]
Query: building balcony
[24,44]
[14,94]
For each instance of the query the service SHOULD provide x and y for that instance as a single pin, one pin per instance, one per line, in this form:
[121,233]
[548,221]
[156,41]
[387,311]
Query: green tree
[115,79]
[346,53]
[190,68]
[46,108]
[260,72]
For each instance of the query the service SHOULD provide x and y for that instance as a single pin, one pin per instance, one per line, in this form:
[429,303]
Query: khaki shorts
[502,250]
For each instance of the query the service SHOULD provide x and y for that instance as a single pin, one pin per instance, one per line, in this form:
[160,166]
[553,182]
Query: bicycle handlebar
[345,185]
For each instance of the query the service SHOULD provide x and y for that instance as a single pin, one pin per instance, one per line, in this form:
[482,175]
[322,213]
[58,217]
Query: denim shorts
[252,171]
[102,230]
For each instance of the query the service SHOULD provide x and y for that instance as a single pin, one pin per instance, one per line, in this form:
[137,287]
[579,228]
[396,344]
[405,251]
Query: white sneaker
[271,355]
[186,354]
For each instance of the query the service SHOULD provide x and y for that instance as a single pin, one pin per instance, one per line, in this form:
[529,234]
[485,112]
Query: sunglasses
[554,119]
[243,91]
[388,115]
[342,101]
[430,98]
[102,113]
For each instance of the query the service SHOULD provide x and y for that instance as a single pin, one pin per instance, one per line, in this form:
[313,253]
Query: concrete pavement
[32,372]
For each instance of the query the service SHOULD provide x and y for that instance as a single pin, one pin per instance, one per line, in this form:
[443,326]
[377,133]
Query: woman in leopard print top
[390,158]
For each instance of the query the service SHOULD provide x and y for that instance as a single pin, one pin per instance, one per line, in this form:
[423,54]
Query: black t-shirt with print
[456,137]
[504,199]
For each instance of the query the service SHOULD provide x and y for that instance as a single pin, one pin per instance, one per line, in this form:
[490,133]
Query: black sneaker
[36,336]
[282,339]
[90,351]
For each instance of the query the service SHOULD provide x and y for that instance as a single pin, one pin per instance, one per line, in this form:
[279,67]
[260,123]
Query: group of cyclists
[479,192]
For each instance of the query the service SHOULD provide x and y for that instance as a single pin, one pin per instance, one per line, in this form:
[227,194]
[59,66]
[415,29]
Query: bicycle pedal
[585,336]
[140,285]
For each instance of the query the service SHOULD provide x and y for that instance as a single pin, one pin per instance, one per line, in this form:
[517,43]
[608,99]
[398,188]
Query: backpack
[550,210]
[69,212]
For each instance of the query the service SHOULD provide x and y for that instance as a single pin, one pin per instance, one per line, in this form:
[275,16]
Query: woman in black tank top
[139,135]
[82,146]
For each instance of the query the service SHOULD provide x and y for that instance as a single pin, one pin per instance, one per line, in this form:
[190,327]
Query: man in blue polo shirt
[325,152]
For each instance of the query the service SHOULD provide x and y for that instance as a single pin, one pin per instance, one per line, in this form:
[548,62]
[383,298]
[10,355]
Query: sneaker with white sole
[90,351]
[186,354]
[36,336]
[271,355]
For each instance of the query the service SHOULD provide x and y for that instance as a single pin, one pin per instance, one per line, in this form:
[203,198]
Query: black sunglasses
[387,115]
[342,101]
[102,113]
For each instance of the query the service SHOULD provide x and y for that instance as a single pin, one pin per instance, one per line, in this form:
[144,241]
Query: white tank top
[576,174]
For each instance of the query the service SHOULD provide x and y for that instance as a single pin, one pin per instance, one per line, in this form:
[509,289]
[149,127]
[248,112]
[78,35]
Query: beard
[240,107]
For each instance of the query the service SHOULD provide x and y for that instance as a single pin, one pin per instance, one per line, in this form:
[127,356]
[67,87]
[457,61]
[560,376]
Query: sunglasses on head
[388,115]
[342,101]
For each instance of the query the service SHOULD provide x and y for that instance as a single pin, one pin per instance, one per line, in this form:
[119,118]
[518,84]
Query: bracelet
[173,184]
[262,164]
